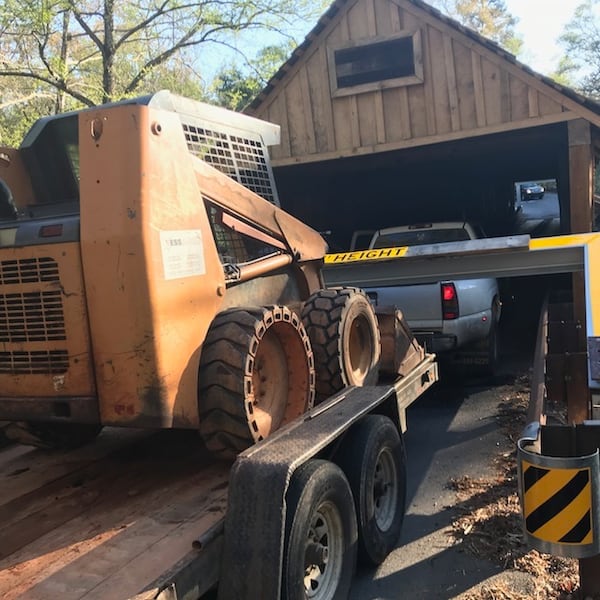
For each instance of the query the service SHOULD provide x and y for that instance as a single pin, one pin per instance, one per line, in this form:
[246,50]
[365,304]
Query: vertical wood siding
[466,88]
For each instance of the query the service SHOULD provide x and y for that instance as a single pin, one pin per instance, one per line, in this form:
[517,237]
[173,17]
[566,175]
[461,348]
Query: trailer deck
[105,520]
[140,514]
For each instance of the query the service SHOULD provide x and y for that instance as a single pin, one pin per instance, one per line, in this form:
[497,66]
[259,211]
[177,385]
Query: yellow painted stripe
[360,255]
[566,519]
[558,241]
[546,487]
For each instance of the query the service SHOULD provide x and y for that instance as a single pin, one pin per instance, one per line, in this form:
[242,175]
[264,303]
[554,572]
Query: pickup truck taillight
[449,302]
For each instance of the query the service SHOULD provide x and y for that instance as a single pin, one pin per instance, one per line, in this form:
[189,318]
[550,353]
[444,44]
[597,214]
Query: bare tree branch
[55,84]
[24,99]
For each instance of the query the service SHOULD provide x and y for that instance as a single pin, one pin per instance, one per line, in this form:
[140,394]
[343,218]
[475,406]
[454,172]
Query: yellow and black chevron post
[559,500]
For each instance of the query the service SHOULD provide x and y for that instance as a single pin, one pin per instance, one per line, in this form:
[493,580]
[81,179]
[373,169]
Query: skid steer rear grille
[32,317]
[28,270]
[40,362]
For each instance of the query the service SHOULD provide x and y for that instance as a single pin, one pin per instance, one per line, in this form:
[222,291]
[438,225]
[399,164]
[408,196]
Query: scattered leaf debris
[488,520]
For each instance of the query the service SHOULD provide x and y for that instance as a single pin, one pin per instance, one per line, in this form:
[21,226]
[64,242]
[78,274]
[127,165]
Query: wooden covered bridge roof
[464,85]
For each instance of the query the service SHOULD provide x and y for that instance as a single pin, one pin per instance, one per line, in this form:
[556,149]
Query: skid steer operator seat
[8,210]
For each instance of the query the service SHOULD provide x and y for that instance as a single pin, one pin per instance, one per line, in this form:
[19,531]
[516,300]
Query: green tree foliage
[73,53]
[20,106]
[581,39]
[490,18]
[234,87]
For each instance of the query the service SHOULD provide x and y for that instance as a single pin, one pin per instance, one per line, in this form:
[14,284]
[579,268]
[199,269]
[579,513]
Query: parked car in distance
[532,191]
[457,318]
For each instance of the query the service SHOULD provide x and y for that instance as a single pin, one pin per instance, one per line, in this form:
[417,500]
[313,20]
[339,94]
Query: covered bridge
[391,112]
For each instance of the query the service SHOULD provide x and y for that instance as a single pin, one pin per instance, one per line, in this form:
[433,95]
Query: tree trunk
[64,54]
[108,52]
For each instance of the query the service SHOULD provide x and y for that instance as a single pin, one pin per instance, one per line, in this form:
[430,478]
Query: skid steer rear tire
[343,331]
[256,374]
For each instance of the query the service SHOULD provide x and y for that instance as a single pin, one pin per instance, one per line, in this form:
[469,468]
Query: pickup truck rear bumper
[436,342]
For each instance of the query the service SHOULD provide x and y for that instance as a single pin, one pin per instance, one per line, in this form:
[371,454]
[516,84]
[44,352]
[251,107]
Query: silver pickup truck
[453,318]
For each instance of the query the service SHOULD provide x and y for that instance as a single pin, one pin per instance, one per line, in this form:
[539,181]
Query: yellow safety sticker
[557,504]
[357,255]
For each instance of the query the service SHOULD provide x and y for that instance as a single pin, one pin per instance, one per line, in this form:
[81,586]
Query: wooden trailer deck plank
[129,524]
[24,469]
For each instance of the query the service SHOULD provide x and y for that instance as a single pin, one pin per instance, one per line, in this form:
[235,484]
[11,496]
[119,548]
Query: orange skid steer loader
[148,278]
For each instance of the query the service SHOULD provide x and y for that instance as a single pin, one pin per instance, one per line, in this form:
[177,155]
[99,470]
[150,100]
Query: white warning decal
[182,253]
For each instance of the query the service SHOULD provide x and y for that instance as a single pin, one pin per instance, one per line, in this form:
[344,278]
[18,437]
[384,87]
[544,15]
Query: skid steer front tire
[256,374]
[344,334]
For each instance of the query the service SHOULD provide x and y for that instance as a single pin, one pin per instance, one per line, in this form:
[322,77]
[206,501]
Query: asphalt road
[452,432]
[539,217]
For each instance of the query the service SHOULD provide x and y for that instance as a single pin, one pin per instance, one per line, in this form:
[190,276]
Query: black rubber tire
[489,347]
[373,459]
[491,352]
[320,534]
[52,435]
[256,374]
[344,334]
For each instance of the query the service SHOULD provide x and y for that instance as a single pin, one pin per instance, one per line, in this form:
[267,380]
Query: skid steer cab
[150,279]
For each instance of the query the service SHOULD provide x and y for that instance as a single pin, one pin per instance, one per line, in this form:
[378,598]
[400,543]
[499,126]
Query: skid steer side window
[239,242]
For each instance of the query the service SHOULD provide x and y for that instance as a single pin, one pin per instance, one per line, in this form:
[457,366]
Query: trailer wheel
[52,435]
[256,373]
[374,461]
[343,331]
[320,539]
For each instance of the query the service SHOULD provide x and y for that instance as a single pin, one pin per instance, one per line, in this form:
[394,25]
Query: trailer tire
[256,374]
[52,435]
[373,458]
[344,334]
[320,534]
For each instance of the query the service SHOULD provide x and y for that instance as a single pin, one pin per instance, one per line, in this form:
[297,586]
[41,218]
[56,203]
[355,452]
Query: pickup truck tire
[320,534]
[488,348]
[374,460]
[256,373]
[52,435]
[343,331]
[491,352]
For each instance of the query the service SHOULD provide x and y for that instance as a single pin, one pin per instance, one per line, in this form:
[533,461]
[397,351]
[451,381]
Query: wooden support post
[581,168]
[581,172]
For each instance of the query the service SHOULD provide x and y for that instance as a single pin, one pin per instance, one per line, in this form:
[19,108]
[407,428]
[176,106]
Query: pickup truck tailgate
[420,304]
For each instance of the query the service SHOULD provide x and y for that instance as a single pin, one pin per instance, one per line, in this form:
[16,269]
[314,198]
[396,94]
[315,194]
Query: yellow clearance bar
[591,242]
[575,239]
[358,255]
